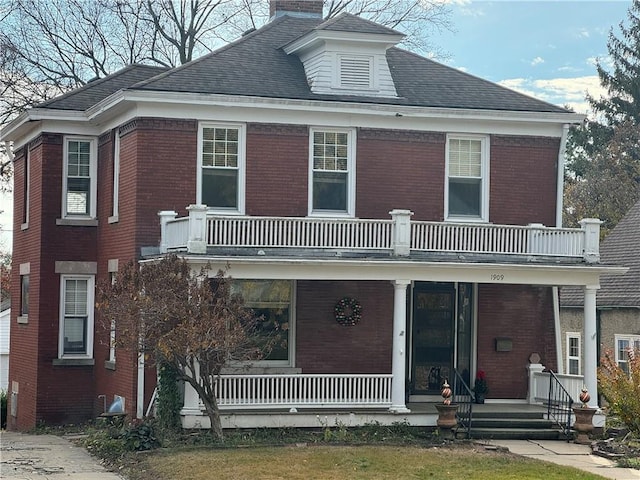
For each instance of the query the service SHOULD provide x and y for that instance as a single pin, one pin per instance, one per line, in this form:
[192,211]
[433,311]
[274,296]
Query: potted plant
[480,388]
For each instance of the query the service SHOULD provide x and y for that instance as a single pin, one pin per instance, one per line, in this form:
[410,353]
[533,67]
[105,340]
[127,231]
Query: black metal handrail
[559,404]
[463,397]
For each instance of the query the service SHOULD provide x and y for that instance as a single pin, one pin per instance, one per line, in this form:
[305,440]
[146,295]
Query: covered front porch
[399,254]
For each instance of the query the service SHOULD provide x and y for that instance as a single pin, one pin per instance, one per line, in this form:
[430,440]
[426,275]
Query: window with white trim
[332,171]
[26,193]
[76,316]
[272,301]
[573,353]
[80,172]
[24,295]
[116,177]
[624,344]
[467,182]
[112,330]
[355,71]
[221,167]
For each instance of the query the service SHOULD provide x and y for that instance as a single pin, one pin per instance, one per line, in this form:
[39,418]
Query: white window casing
[467,178]
[221,163]
[115,209]
[624,343]
[574,353]
[76,324]
[80,170]
[26,204]
[332,172]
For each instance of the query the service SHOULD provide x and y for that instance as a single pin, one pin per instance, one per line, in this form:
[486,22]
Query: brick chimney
[295,8]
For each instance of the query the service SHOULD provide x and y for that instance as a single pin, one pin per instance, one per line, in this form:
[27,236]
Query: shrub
[621,390]
[169,400]
[140,436]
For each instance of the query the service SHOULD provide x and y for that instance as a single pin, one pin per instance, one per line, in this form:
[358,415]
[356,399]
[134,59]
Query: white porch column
[590,344]
[401,232]
[591,227]
[399,357]
[165,217]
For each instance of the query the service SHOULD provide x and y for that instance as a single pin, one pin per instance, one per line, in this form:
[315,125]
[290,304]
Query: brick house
[323,164]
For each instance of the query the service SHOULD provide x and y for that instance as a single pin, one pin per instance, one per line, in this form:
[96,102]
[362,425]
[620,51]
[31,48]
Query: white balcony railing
[539,384]
[399,235]
[304,390]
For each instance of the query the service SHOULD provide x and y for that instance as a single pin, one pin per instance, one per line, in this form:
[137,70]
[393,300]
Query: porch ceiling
[392,268]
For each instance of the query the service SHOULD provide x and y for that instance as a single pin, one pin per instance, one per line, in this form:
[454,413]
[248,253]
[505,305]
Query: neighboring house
[388,209]
[618,300]
[5,325]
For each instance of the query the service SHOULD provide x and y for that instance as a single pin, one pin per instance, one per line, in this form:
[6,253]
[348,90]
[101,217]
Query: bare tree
[181,319]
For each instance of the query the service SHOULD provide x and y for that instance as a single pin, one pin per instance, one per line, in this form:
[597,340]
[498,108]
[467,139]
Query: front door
[440,335]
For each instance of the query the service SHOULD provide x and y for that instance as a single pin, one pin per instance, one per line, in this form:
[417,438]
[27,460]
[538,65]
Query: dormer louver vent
[355,72]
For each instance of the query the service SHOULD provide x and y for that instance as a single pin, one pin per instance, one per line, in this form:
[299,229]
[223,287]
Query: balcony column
[399,358]
[590,344]
[591,227]
[197,242]
[165,217]
[401,232]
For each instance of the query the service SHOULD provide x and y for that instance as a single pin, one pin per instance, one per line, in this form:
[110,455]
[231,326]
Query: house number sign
[497,277]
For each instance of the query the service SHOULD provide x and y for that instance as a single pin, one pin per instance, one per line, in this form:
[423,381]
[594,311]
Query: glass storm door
[441,335]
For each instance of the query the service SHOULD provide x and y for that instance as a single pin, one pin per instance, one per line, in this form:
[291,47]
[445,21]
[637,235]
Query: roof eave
[18,126]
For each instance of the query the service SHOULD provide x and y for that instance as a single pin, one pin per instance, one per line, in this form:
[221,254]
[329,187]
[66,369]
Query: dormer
[346,55]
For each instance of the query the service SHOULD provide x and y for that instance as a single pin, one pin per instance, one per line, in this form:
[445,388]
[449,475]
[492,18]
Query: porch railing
[541,384]
[304,390]
[399,235]
[559,403]
[463,397]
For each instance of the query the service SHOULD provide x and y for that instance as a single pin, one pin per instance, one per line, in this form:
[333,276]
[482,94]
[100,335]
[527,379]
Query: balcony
[201,233]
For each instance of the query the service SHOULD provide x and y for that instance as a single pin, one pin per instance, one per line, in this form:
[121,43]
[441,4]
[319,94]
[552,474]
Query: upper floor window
[80,171]
[573,353]
[116,178]
[221,177]
[76,316]
[332,176]
[624,344]
[467,182]
[26,193]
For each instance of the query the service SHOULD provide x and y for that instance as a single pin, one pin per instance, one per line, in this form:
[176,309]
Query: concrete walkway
[47,457]
[568,454]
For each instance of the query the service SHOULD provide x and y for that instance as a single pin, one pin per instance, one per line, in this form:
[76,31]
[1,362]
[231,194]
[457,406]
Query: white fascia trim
[316,36]
[369,269]
[139,96]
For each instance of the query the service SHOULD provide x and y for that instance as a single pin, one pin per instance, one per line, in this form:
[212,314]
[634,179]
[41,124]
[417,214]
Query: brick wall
[523,314]
[325,346]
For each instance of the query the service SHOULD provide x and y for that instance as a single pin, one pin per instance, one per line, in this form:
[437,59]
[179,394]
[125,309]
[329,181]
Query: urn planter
[446,419]
[583,424]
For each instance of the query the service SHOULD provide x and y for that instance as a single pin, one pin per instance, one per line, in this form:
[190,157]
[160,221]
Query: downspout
[140,396]
[559,210]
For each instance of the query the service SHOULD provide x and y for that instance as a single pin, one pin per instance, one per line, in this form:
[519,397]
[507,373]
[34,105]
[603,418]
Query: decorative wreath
[348,312]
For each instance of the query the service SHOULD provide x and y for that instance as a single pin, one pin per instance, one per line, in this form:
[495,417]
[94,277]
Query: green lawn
[347,462]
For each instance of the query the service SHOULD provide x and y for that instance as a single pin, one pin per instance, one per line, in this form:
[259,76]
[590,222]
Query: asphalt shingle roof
[620,247]
[256,65]
[88,95]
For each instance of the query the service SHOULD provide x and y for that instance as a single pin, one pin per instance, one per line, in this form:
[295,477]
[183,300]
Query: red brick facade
[158,171]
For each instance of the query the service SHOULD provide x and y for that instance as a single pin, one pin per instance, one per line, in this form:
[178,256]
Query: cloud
[537,61]
[569,91]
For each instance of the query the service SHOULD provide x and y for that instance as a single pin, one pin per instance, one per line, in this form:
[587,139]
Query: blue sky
[546,48]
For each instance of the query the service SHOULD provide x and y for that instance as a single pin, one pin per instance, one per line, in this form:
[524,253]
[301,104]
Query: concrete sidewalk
[44,457]
[568,454]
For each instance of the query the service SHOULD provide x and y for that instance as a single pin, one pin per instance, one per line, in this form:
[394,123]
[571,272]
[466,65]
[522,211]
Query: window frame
[93,177]
[290,362]
[115,192]
[632,339]
[24,305]
[90,279]
[26,189]
[241,168]
[484,179]
[350,172]
[570,336]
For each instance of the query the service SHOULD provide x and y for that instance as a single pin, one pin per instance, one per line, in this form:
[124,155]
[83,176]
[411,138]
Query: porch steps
[511,426]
